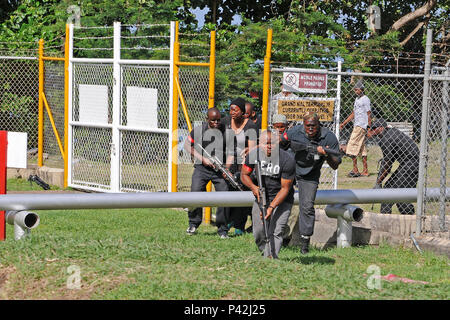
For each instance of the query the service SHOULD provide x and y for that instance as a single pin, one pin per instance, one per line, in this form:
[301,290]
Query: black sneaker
[304,244]
[191,230]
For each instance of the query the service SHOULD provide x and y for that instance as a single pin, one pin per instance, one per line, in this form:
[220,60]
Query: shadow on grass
[311,260]
[315,260]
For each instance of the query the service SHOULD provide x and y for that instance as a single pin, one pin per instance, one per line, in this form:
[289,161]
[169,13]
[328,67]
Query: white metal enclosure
[119,120]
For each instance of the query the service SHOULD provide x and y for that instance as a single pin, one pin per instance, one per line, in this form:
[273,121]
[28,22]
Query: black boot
[304,244]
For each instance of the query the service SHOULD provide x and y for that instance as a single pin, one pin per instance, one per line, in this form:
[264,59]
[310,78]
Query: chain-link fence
[398,100]
[54,93]
[194,82]
[19,92]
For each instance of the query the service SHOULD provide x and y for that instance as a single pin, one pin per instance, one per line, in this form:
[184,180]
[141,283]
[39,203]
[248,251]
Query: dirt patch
[5,273]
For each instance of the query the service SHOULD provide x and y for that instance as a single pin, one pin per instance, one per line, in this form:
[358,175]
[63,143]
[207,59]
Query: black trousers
[238,215]
[405,176]
[200,179]
[307,191]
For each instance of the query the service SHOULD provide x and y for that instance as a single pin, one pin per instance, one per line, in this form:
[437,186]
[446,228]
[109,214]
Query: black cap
[240,103]
[378,123]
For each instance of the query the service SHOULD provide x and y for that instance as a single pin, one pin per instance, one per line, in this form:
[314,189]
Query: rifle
[312,148]
[262,203]
[39,181]
[218,166]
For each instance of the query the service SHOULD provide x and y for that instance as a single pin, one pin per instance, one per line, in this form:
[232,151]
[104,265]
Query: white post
[344,233]
[423,135]
[70,109]
[169,142]
[115,143]
[338,116]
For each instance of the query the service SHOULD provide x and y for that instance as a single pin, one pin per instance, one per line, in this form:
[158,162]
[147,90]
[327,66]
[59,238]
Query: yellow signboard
[295,109]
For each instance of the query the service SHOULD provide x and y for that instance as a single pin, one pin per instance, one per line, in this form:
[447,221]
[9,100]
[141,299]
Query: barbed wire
[193,45]
[147,25]
[194,57]
[97,27]
[92,49]
[144,37]
[93,38]
[194,34]
[146,48]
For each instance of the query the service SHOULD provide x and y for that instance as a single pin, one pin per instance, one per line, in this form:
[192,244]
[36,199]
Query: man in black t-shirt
[210,136]
[396,146]
[278,173]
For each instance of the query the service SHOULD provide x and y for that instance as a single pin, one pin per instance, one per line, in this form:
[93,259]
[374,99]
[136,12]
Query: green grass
[145,254]
[25,185]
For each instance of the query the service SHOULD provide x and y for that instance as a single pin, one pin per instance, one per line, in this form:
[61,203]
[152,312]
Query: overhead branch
[417,28]
[420,12]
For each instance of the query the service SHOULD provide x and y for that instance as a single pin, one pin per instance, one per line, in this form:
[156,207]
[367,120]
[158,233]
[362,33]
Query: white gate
[119,119]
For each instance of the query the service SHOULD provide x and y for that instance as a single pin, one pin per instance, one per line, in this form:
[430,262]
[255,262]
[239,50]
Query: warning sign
[305,82]
[295,109]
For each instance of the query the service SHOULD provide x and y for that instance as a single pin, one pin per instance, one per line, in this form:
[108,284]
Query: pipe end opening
[31,220]
[358,214]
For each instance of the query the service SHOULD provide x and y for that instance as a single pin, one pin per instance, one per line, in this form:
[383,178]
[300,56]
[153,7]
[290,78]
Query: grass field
[145,254]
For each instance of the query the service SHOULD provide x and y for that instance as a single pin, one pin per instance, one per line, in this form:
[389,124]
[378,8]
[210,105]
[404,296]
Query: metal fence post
[338,116]
[444,135]
[423,134]
[115,147]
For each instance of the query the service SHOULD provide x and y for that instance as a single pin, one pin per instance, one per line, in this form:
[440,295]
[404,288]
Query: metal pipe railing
[44,201]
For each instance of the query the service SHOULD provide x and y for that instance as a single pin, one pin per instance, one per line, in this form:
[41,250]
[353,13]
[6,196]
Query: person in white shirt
[356,145]
[282,95]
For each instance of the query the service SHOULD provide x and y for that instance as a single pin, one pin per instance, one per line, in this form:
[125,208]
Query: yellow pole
[52,121]
[266,80]
[53,59]
[41,105]
[66,107]
[193,64]
[183,105]
[212,69]
[176,58]
[212,72]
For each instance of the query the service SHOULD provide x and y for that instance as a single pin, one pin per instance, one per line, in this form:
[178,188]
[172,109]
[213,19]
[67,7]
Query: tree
[6,8]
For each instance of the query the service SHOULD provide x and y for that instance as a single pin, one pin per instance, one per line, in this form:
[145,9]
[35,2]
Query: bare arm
[349,118]
[281,195]
[333,161]
[247,181]
[194,153]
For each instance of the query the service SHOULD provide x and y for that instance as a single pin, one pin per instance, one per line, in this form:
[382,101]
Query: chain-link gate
[328,178]
[437,160]
[120,117]
[121,109]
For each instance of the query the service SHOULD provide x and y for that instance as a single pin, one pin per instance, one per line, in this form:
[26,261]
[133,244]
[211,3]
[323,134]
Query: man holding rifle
[203,143]
[312,145]
[274,193]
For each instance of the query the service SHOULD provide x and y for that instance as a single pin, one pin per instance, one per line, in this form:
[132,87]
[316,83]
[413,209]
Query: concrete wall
[374,229]
[52,176]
